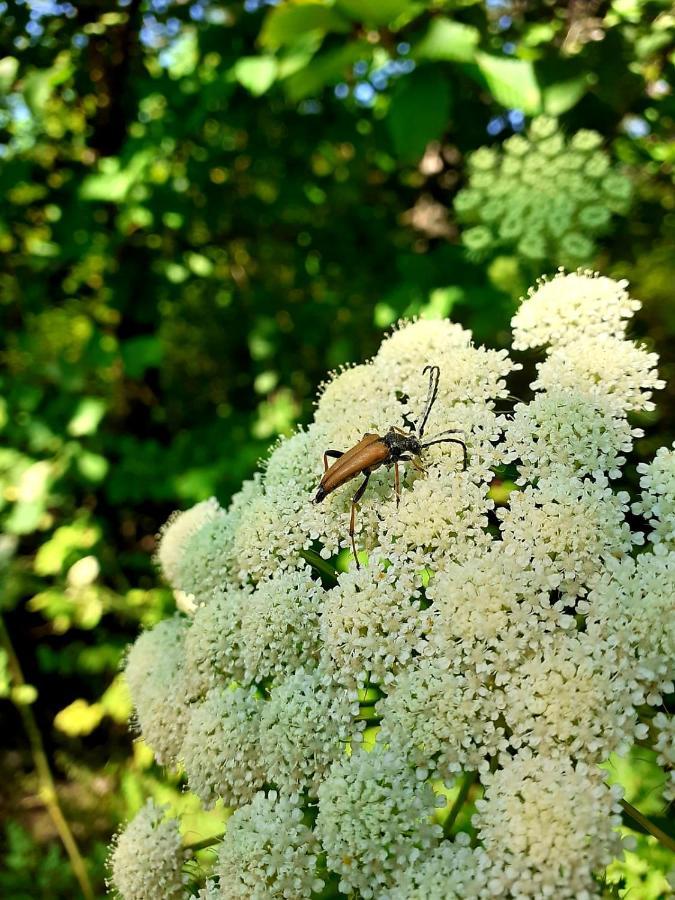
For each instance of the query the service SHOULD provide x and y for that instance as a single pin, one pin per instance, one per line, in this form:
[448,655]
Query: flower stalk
[47,788]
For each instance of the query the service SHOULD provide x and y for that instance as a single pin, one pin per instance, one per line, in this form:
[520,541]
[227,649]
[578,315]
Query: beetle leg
[355,499]
[336,454]
[397,484]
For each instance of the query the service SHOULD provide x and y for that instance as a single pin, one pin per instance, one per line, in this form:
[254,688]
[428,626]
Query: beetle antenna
[443,438]
[434,375]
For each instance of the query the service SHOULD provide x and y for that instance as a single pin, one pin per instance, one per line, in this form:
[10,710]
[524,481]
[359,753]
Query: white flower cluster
[547,825]
[375,817]
[657,503]
[146,859]
[154,673]
[267,852]
[504,629]
[665,745]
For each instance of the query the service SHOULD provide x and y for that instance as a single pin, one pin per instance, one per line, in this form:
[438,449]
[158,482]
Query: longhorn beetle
[373,451]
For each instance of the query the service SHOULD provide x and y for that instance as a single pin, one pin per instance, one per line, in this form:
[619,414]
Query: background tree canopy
[206,207]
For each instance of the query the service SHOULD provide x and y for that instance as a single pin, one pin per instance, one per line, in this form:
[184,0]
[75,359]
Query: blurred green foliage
[207,206]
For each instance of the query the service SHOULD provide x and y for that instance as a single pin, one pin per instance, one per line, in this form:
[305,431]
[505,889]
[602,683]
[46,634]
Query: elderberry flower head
[657,503]
[563,309]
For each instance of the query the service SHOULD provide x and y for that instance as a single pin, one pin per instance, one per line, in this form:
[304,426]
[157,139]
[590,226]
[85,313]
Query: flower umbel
[509,626]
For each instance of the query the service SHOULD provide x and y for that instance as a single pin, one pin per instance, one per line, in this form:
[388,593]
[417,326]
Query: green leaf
[89,412]
[112,182]
[256,73]
[558,98]
[286,23]
[324,69]
[419,112]
[373,12]
[66,541]
[141,353]
[9,66]
[448,40]
[512,82]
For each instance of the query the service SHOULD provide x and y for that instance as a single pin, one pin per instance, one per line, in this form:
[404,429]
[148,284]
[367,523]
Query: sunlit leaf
[512,82]
[68,540]
[446,39]
[79,718]
[89,412]
[9,66]
[256,73]
[289,21]
[374,12]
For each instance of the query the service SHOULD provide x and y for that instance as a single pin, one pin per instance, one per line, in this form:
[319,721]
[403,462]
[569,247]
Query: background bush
[206,207]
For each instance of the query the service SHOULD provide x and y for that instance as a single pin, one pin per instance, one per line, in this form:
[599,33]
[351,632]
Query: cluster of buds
[541,196]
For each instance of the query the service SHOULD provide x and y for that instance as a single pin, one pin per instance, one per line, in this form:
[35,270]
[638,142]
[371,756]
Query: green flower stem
[205,842]
[47,791]
[320,565]
[648,825]
[465,787]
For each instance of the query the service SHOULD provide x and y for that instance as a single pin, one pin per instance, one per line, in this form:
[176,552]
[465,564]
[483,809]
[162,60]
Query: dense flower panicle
[292,462]
[547,826]
[562,430]
[204,562]
[438,721]
[469,374]
[375,818]
[570,697]
[280,625]
[504,620]
[617,372]
[453,871]
[372,625]
[444,514]
[147,858]
[173,536]
[426,342]
[269,537]
[213,652]
[657,503]
[565,308]
[490,613]
[154,671]
[543,196]
[564,528]
[221,750]
[304,729]
[632,608]
[268,852]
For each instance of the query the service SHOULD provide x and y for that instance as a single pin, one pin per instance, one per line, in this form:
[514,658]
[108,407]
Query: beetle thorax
[401,443]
